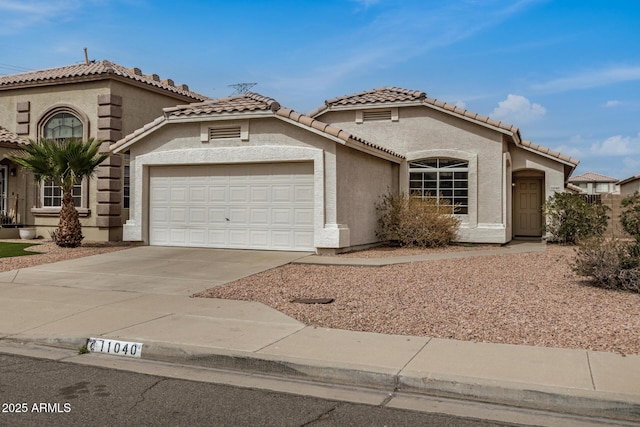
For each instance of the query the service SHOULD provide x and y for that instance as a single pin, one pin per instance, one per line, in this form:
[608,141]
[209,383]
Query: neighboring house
[102,100]
[629,185]
[595,183]
[244,172]
[10,186]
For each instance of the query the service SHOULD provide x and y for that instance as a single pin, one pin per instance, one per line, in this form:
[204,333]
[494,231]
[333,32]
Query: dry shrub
[612,264]
[411,221]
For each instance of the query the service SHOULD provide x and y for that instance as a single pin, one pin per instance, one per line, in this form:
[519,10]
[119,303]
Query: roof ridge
[77,71]
[330,129]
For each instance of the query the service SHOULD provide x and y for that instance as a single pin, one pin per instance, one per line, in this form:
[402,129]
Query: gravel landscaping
[531,299]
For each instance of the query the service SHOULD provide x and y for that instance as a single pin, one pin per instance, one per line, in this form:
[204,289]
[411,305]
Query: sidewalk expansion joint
[280,339]
[593,383]
[139,323]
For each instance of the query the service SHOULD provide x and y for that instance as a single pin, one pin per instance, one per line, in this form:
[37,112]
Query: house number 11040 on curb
[118,348]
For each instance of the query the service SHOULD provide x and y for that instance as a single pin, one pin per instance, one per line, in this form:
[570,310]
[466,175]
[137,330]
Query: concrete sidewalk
[253,337]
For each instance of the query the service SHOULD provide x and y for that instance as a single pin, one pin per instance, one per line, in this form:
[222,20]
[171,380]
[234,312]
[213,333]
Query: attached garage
[243,206]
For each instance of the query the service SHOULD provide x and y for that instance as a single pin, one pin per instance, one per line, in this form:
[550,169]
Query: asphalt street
[44,392]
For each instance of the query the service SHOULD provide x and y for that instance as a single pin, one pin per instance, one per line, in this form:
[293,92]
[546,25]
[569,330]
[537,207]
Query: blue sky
[566,72]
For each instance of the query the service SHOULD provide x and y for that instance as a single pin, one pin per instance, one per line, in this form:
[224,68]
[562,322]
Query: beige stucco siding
[630,187]
[347,182]
[362,180]
[553,171]
[422,132]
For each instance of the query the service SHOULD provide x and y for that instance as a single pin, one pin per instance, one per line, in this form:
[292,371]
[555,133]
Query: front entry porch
[528,191]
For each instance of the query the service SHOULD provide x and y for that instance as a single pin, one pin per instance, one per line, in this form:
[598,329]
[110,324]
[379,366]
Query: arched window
[61,126]
[443,177]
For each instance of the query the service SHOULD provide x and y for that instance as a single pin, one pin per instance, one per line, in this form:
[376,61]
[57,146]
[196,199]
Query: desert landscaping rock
[529,299]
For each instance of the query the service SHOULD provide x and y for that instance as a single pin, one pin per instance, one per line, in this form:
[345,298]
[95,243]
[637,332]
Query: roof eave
[126,142]
[99,77]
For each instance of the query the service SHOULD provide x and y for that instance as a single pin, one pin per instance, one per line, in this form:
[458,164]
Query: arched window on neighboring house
[444,177]
[61,125]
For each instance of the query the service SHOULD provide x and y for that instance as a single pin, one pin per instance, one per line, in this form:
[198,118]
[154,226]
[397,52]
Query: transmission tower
[241,88]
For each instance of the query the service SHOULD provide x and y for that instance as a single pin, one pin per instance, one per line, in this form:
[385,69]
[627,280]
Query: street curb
[556,399]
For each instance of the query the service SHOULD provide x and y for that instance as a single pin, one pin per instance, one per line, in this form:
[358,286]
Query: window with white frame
[61,126]
[441,178]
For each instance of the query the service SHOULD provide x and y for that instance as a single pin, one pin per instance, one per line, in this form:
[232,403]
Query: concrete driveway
[153,269]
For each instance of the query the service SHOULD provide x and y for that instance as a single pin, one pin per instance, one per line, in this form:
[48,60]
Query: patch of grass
[9,249]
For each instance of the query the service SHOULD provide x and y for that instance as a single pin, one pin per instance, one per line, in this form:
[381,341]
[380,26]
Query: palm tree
[66,163]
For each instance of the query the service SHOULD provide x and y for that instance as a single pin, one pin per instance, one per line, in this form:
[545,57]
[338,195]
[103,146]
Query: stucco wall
[362,180]
[423,132]
[630,187]
[139,106]
[273,140]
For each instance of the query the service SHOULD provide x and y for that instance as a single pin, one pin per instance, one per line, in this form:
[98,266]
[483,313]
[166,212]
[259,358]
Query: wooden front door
[527,210]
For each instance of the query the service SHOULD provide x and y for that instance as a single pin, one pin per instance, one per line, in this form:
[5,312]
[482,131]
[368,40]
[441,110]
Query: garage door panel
[198,193]
[217,238]
[259,238]
[239,194]
[239,238]
[303,239]
[260,206]
[217,194]
[303,217]
[303,193]
[217,215]
[198,216]
[281,193]
[259,194]
[178,215]
[198,236]
[260,217]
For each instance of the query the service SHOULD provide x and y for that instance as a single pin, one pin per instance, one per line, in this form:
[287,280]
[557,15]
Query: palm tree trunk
[69,233]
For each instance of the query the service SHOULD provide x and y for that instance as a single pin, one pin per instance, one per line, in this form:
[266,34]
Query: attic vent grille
[376,115]
[224,132]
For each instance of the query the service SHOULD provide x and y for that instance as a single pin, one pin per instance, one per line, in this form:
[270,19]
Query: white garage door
[249,206]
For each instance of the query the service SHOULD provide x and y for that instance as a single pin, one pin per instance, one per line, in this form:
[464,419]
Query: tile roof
[234,104]
[94,70]
[592,177]
[550,153]
[8,137]
[389,94]
[627,180]
[247,103]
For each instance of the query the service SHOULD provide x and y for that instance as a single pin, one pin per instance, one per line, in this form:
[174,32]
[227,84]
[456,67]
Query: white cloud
[517,109]
[461,104]
[612,104]
[617,145]
[590,79]
[569,151]
[16,15]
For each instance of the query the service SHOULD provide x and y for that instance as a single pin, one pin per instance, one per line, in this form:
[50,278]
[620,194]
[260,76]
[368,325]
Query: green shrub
[612,264]
[410,221]
[630,216]
[569,218]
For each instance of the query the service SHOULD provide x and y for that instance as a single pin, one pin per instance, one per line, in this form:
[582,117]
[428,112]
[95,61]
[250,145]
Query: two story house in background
[101,100]
[246,172]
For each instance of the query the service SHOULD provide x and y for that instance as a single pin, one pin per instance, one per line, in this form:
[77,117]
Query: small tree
[66,163]
[569,218]
[630,216]
[412,221]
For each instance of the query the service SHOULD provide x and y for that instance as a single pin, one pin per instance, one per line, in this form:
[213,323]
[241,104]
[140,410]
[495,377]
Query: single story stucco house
[246,172]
